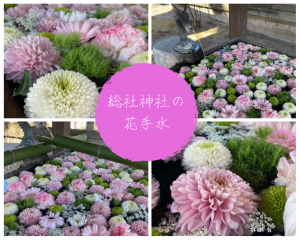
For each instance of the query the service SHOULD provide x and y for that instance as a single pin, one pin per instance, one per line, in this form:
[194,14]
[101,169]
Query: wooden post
[62,128]
[238,14]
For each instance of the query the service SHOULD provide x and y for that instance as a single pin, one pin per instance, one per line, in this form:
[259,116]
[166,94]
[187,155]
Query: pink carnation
[235,72]
[218,65]
[262,104]
[236,51]
[241,57]
[103,24]
[54,185]
[66,198]
[16,187]
[269,114]
[258,72]
[293,62]
[242,88]
[222,84]
[73,159]
[48,24]
[71,231]
[119,185]
[44,200]
[140,228]
[274,89]
[23,173]
[120,18]
[239,79]
[243,102]
[202,71]
[286,70]
[141,200]
[217,54]
[113,193]
[29,192]
[96,219]
[244,47]
[227,56]
[11,197]
[57,176]
[120,229]
[36,230]
[101,208]
[140,12]
[220,103]
[77,185]
[291,83]
[269,70]
[206,96]
[198,80]
[50,169]
[185,70]
[277,67]
[237,66]
[293,93]
[29,216]
[27,180]
[272,55]
[229,111]
[96,189]
[254,48]
[67,164]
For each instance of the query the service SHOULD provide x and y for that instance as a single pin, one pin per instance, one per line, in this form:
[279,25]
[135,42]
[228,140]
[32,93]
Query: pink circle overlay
[149,131]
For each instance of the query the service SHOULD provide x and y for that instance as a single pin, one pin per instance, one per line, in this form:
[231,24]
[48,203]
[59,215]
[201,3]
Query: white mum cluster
[10,34]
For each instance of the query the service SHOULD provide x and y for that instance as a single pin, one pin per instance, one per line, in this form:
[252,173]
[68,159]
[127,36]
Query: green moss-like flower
[48,35]
[258,80]
[144,182]
[283,97]
[55,162]
[87,204]
[56,208]
[10,219]
[55,193]
[103,166]
[115,175]
[66,183]
[231,91]
[23,204]
[274,101]
[198,91]
[66,10]
[115,211]
[156,233]
[115,203]
[278,75]
[253,113]
[231,99]
[38,176]
[104,184]
[272,203]
[136,192]
[211,58]
[145,178]
[79,164]
[117,171]
[98,180]
[246,72]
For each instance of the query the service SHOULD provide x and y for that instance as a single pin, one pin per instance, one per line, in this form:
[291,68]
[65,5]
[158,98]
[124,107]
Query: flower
[206,96]
[16,187]
[44,200]
[198,80]
[237,66]
[229,111]
[10,209]
[112,193]
[51,221]
[218,65]
[48,24]
[29,216]
[94,230]
[96,189]
[259,94]
[73,159]
[107,177]
[130,207]
[140,12]
[36,230]
[85,30]
[141,200]
[29,192]
[222,84]
[57,176]
[118,185]
[67,164]
[121,42]
[207,197]
[272,55]
[12,179]
[281,83]
[136,175]
[120,229]
[10,34]
[116,219]
[120,18]
[258,72]
[269,114]
[291,83]
[208,154]
[289,216]
[139,227]
[103,24]
[85,176]
[16,12]
[262,104]
[293,93]
[78,220]
[185,70]
[128,196]
[227,56]
[223,71]
[269,70]
[54,185]
[74,16]
[242,88]
[239,79]
[141,57]
[71,231]
[286,70]
[50,169]
[10,197]
[284,114]
[101,209]
[43,181]
[78,185]
[243,103]
[84,7]
[62,94]
[96,219]
[33,53]
[290,107]
[274,89]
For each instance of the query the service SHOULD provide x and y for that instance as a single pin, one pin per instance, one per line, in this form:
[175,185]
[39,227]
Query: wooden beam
[238,14]
[62,128]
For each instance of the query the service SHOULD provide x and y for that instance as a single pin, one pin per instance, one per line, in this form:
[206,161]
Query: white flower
[261,86]
[205,113]
[89,172]
[10,209]
[10,34]
[124,174]
[12,179]
[204,60]
[223,71]
[41,172]
[206,154]
[74,16]
[295,73]
[259,94]
[141,57]
[289,216]
[62,94]
[75,169]
[284,114]
[249,46]
[99,198]
[90,198]
[263,56]
[202,65]
[200,125]
[280,62]
[46,165]
[39,168]
[74,153]
[289,107]
[262,64]
[195,70]
[248,93]
[212,76]
[182,75]
[42,181]
[78,220]
[283,57]
[213,114]
[247,66]
[130,206]
[228,78]
[127,179]
[66,171]
[220,93]
[116,219]
[139,171]
[281,83]
[89,182]
[233,46]
[252,62]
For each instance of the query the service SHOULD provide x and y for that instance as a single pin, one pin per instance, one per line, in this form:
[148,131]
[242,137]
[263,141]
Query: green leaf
[25,85]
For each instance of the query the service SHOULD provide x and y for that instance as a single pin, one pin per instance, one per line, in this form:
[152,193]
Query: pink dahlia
[29,192]
[77,185]
[84,7]
[67,164]
[94,230]
[136,175]
[86,30]
[269,70]
[50,169]
[128,196]
[16,187]
[103,24]
[118,185]
[258,72]
[242,88]
[291,83]
[27,180]
[206,96]
[262,104]
[243,102]
[33,53]
[218,65]
[274,89]
[222,84]
[36,230]
[48,24]
[66,198]
[85,176]
[57,176]
[185,70]
[121,42]
[140,12]
[272,55]
[141,200]
[229,111]
[237,66]
[202,71]
[71,231]
[120,18]
[235,72]
[96,189]
[120,229]
[286,70]
[140,228]
[216,199]
[270,114]
[220,103]
[293,93]
[239,79]
[198,80]
[16,12]
[51,221]
[11,197]
[44,200]
[227,56]
[96,219]
[113,193]
[29,216]
[54,185]
[101,208]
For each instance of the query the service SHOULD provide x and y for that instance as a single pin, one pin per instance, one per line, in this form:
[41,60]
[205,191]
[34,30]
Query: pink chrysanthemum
[216,199]
[71,231]
[222,84]
[51,221]
[237,66]
[50,169]
[137,185]
[120,229]
[16,187]
[11,197]
[113,193]
[33,53]
[54,185]
[128,196]
[57,176]
[202,71]
[29,216]
[36,230]
[236,51]
[270,114]
[269,70]
[94,230]
[218,65]
[96,189]
[293,93]
[293,62]
[229,111]
[140,12]
[239,79]
[274,89]
[84,7]
[73,159]
[121,42]
[243,103]
[48,24]
[118,185]
[16,12]
[44,200]
[272,55]
[67,164]
[217,54]
[185,70]
[90,165]
[107,177]
[23,173]
[27,180]
[112,6]
[136,175]
[242,88]
[206,96]
[250,79]
[29,192]
[235,72]
[103,24]
[291,83]
[85,176]
[141,200]
[220,103]
[212,71]
[96,219]
[227,56]
[77,185]
[198,80]
[286,70]
[66,198]
[241,57]
[241,114]
[254,48]
[140,228]
[120,18]
[86,30]
[101,208]
[262,104]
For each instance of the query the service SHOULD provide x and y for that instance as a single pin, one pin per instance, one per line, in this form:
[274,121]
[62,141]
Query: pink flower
[66,198]
[112,6]
[85,176]
[94,230]
[140,228]
[222,84]
[73,159]
[237,66]
[23,173]
[239,79]
[120,18]
[118,185]
[241,114]
[269,70]
[103,24]
[220,103]
[136,175]
[286,70]
[243,47]
[207,197]
[29,192]
[16,187]
[241,57]
[57,176]
[112,193]
[141,200]
[212,71]
[90,165]
[140,12]
[257,59]
[274,89]
[128,196]
[84,7]
[227,56]
[250,79]
[101,208]
[258,72]
[293,93]
[235,72]
[206,96]
[242,88]
[96,219]
[36,230]
[198,80]
[10,197]
[33,53]
[16,12]
[107,177]
[293,62]
[269,114]
[291,83]
[48,24]
[185,70]
[50,169]
[262,104]
[51,220]
[121,42]
[77,185]
[54,185]
[218,65]
[86,30]
[243,103]
[236,51]
[44,200]
[120,229]
[202,71]
[254,48]
[277,67]
[29,216]
[96,189]
[272,55]
[71,231]
[27,180]
[229,111]
[217,54]
[67,164]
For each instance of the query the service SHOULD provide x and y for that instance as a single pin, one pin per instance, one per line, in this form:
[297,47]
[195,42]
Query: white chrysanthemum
[90,198]
[66,171]
[223,71]
[260,94]
[283,57]
[284,114]
[127,179]
[182,75]
[89,182]
[124,174]
[140,171]
[74,16]
[43,181]
[233,46]
[100,198]
[281,83]
[248,93]
[62,94]
[116,219]
[12,179]
[262,64]
[202,65]
[206,113]
[247,66]
[75,169]
[10,34]
[220,93]
[228,78]
[195,70]
[206,154]
[39,168]
[89,172]
[261,86]
[200,125]
[141,57]
[249,46]
[41,172]
[289,216]
[46,165]
[78,220]
[213,114]
[204,60]
[289,107]
[10,209]
[212,76]
[130,206]
[263,56]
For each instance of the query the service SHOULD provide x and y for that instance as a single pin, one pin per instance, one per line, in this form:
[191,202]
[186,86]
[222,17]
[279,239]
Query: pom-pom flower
[274,89]
[101,208]
[44,200]
[185,70]
[222,84]
[220,103]
[10,34]
[10,209]
[29,216]
[141,57]
[77,185]
[139,227]
[243,103]
[120,18]
[10,197]
[36,230]
[16,187]
[96,219]
[71,231]
[206,96]
[54,185]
